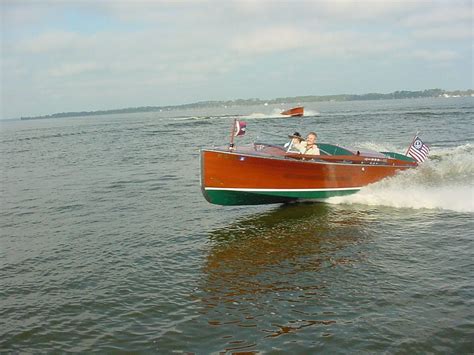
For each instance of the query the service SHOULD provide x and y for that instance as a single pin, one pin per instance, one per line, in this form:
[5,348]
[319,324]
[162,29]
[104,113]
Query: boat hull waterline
[244,178]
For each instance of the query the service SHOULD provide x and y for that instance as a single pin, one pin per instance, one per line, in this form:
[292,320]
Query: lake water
[107,245]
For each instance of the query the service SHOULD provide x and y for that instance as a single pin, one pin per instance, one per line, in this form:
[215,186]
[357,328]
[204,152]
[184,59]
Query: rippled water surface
[106,243]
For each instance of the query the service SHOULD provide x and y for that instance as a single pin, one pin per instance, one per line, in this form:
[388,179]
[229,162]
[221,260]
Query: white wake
[444,181]
[276,113]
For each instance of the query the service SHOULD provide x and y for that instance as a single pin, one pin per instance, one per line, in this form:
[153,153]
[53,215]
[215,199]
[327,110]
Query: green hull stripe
[258,197]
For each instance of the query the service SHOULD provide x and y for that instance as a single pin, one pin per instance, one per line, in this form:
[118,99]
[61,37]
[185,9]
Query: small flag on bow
[240,128]
[418,150]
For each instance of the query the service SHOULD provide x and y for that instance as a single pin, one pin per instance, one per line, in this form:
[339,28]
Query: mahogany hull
[295,111]
[242,178]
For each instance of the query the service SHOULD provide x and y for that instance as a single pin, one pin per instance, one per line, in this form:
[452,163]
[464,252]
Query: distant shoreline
[247,102]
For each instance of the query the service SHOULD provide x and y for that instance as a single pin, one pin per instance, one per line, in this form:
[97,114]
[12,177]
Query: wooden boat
[294,112]
[264,173]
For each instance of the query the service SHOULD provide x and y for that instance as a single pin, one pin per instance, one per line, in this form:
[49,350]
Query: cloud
[271,40]
[445,32]
[51,41]
[316,43]
[434,55]
[22,13]
[331,11]
[70,69]
[441,15]
[371,10]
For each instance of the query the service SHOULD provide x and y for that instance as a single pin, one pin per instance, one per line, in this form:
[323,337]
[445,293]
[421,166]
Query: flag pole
[231,145]
[416,135]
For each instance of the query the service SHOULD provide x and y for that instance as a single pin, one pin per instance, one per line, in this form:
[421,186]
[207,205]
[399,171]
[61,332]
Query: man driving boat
[309,146]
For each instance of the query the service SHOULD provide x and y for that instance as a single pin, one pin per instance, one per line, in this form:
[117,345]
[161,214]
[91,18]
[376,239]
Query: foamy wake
[276,113]
[445,181]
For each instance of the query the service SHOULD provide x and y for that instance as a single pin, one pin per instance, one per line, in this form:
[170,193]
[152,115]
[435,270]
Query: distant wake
[445,181]
[276,113]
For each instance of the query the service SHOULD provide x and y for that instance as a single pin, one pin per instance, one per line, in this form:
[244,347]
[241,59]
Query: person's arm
[302,147]
[297,144]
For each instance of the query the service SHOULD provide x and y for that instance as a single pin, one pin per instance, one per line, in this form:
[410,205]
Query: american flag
[418,150]
[240,128]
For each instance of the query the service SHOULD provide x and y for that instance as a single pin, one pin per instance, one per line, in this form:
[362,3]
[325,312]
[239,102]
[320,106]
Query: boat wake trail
[445,181]
[276,113]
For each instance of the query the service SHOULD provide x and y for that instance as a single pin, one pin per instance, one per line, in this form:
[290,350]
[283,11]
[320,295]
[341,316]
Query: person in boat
[309,147]
[295,143]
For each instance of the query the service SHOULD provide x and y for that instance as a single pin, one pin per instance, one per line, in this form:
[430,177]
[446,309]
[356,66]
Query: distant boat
[294,112]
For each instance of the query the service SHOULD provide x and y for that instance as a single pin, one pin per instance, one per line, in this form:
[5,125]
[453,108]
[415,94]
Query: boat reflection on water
[273,271]
[291,238]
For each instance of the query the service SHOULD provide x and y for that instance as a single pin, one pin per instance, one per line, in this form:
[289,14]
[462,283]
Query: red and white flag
[240,128]
[418,150]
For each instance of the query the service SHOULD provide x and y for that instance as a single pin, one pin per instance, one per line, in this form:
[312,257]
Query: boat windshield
[366,152]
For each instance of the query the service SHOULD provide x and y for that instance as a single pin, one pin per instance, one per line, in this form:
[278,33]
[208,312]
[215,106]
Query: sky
[63,56]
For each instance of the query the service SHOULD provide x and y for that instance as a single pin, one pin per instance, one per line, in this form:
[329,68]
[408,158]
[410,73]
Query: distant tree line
[255,101]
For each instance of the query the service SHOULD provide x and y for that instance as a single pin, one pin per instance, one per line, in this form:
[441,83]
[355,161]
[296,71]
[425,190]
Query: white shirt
[313,150]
